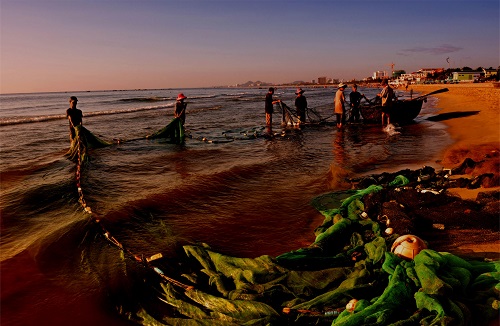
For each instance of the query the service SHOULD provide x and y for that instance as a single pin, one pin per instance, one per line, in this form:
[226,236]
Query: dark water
[246,197]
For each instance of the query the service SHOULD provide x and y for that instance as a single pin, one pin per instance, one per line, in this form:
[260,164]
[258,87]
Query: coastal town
[400,78]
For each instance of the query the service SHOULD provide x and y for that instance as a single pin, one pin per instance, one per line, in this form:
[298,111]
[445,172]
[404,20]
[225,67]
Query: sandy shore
[475,130]
[476,136]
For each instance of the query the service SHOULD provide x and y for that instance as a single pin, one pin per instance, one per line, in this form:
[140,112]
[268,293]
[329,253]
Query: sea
[234,185]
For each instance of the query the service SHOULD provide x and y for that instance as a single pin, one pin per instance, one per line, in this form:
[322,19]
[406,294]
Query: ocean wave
[23,120]
[15,121]
[146,99]
[167,98]
[200,97]
[203,109]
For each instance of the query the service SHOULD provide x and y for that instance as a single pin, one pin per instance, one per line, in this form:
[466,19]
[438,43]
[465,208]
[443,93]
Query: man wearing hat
[339,105]
[180,108]
[301,105]
[74,115]
[386,95]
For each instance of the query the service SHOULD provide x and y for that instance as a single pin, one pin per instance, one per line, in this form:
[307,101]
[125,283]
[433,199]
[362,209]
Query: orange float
[408,246]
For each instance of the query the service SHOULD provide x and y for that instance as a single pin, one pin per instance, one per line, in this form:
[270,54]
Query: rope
[113,240]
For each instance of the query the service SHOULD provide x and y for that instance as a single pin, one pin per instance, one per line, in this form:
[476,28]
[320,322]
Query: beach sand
[477,137]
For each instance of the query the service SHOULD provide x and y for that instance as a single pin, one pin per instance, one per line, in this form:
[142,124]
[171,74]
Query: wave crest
[22,120]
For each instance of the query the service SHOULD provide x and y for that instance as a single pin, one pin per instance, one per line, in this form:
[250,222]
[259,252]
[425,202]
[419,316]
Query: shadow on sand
[452,115]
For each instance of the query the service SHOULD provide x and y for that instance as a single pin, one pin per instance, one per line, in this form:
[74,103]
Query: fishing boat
[402,112]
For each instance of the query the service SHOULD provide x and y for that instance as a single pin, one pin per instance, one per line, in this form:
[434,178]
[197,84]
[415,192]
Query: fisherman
[386,96]
[355,100]
[339,103]
[180,108]
[269,106]
[74,115]
[301,105]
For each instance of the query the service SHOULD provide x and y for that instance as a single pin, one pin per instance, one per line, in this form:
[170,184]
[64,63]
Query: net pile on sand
[350,259]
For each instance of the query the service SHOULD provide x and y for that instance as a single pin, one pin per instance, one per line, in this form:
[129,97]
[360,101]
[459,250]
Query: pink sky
[72,45]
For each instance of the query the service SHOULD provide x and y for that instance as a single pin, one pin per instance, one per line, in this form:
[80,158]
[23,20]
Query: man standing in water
[74,115]
[269,107]
[180,108]
[386,95]
[355,99]
[301,105]
[339,105]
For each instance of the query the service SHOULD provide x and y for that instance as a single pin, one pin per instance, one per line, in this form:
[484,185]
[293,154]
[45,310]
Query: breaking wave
[22,120]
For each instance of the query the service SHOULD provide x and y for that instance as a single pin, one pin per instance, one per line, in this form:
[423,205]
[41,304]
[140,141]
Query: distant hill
[254,84]
[259,83]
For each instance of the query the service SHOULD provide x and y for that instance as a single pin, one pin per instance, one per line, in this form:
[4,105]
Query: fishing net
[349,259]
[244,134]
[289,116]
[174,131]
[347,276]
[83,141]
[313,116]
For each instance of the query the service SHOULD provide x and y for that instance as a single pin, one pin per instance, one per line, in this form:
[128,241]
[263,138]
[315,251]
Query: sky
[84,45]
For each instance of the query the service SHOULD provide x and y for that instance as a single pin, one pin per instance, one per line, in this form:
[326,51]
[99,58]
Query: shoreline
[476,137]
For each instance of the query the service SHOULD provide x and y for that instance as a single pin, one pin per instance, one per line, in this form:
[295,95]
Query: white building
[380,75]
[489,72]
[404,77]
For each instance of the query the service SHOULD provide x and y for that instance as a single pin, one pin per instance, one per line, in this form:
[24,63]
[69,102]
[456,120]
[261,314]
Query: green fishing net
[83,141]
[349,259]
[173,131]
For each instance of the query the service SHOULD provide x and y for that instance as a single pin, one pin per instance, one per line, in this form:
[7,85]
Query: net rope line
[147,261]
[93,216]
[289,118]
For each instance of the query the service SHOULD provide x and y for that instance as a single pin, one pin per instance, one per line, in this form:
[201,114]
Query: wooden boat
[402,112]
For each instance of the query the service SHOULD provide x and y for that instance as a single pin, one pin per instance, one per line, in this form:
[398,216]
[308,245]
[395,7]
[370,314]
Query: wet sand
[476,136]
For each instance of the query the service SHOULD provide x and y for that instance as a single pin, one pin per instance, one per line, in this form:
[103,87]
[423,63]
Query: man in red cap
[180,108]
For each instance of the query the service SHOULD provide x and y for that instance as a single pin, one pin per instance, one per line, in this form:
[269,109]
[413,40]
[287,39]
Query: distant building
[404,77]
[380,75]
[489,72]
[428,73]
[467,76]
[431,71]
[322,80]
[416,75]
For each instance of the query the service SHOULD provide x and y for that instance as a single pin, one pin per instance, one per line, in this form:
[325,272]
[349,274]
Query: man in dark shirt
[269,106]
[355,99]
[74,116]
[301,105]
